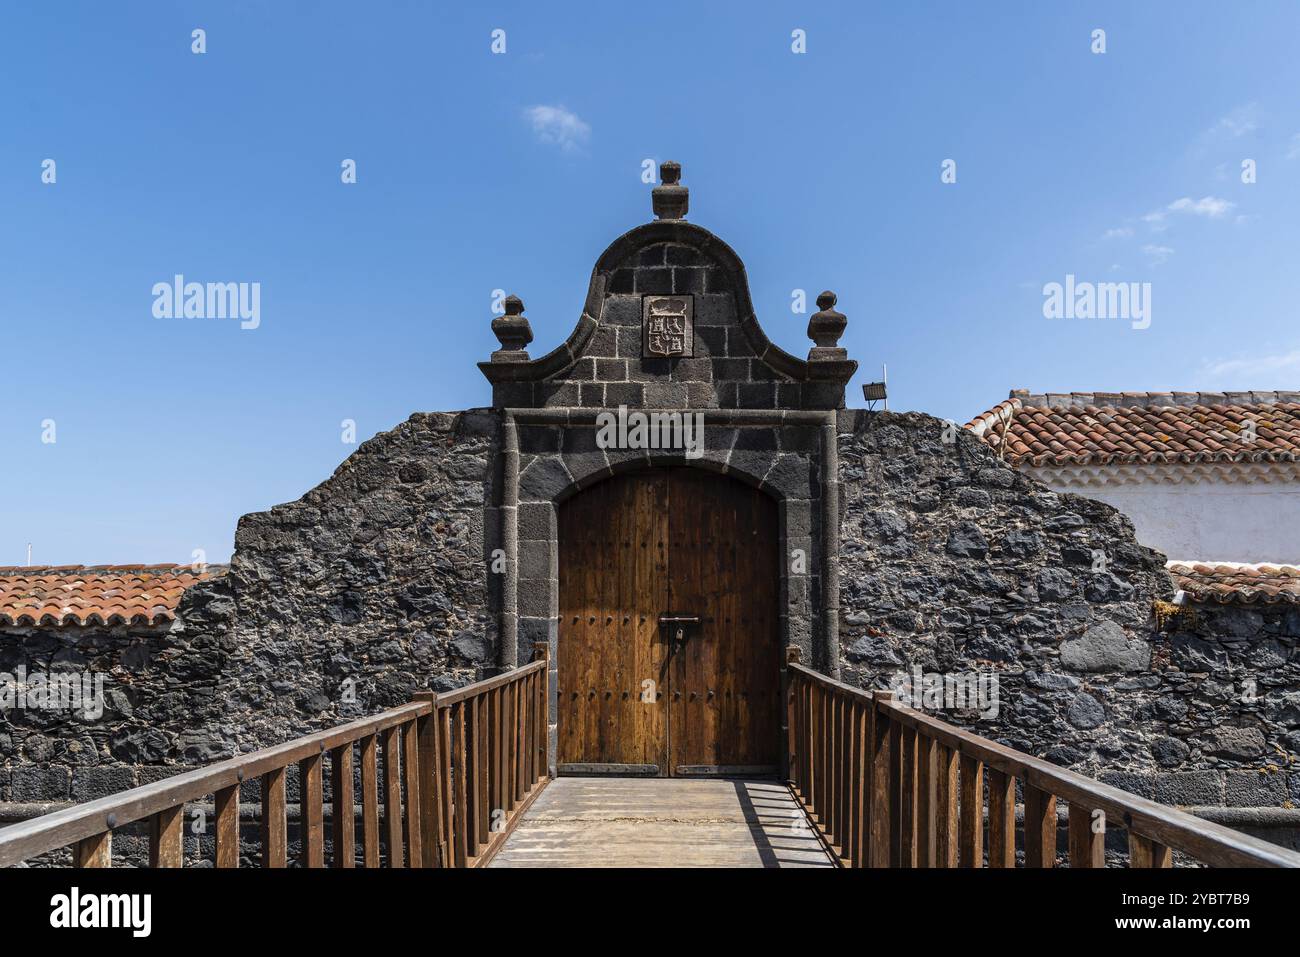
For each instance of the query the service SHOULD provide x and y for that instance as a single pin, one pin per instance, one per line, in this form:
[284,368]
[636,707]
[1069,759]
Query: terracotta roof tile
[1102,428]
[96,594]
[1233,583]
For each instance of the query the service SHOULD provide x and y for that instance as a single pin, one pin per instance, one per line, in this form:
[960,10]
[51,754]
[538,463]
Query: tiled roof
[96,594]
[1232,583]
[1104,428]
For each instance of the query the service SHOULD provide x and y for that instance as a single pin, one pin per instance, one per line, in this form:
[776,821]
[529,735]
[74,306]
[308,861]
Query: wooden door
[632,698]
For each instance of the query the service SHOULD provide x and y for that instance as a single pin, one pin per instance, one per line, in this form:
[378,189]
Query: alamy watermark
[179,299]
[67,691]
[948,691]
[651,430]
[1100,300]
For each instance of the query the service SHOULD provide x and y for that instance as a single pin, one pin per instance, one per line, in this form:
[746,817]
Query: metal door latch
[678,622]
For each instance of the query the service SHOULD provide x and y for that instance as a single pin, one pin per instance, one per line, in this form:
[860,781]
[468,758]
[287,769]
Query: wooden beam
[369,801]
[227,808]
[411,774]
[1087,836]
[166,837]
[926,796]
[392,799]
[1040,827]
[94,851]
[430,784]
[311,812]
[344,818]
[1002,819]
[947,791]
[275,845]
[970,837]
[1144,852]
[907,817]
[881,812]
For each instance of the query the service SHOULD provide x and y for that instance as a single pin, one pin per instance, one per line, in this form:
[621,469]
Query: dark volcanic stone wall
[154,678]
[375,581]
[953,561]
[378,581]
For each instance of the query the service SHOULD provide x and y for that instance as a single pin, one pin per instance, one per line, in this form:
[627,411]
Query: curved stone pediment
[668,323]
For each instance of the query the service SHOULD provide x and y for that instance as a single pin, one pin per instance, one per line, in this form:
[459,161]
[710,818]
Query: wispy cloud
[1293,151]
[1157,255]
[556,126]
[1285,364]
[1119,232]
[1211,207]
[1244,119]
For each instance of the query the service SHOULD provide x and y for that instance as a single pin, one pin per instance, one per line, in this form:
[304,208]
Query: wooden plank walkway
[660,822]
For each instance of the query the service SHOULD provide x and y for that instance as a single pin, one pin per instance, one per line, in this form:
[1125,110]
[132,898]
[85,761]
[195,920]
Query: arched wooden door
[633,699]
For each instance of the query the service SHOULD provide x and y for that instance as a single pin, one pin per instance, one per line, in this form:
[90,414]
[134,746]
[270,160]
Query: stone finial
[671,199]
[514,332]
[825,328]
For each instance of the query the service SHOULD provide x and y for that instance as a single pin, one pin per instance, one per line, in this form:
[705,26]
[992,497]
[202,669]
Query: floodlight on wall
[875,392]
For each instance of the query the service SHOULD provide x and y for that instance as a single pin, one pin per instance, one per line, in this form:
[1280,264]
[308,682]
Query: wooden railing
[888,786]
[459,769]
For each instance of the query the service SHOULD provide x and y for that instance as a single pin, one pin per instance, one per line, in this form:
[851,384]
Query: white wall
[1218,520]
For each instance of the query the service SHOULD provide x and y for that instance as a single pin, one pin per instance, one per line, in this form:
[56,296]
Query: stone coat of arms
[667,326]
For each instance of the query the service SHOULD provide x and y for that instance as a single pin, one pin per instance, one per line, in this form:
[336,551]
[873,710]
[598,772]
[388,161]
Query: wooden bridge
[465,782]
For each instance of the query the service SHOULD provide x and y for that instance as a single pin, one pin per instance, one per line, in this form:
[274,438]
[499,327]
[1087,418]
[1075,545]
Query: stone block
[1190,788]
[543,480]
[1105,646]
[665,395]
[40,784]
[1254,788]
[623,311]
[537,558]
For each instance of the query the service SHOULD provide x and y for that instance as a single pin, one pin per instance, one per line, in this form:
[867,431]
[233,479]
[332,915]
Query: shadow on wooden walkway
[658,822]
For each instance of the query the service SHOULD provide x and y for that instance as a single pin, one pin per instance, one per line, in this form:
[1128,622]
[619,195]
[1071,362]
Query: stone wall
[377,581]
[954,562]
[370,587]
[154,678]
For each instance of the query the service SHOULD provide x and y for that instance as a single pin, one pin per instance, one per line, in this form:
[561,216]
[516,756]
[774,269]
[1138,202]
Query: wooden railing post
[430,777]
[1040,827]
[1087,837]
[274,842]
[880,812]
[95,851]
[345,809]
[542,652]
[462,840]
[392,797]
[310,825]
[947,790]
[1002,819]
[926,791]
[413,782]
[1144,852]
[166,835]
[227,807]
[970,838]
[907,818]
[861,781]
[370,801]
[789,759]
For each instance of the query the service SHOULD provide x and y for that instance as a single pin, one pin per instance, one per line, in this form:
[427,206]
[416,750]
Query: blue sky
[821,169]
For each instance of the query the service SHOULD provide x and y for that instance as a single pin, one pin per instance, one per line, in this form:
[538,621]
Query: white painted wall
[1208,519]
